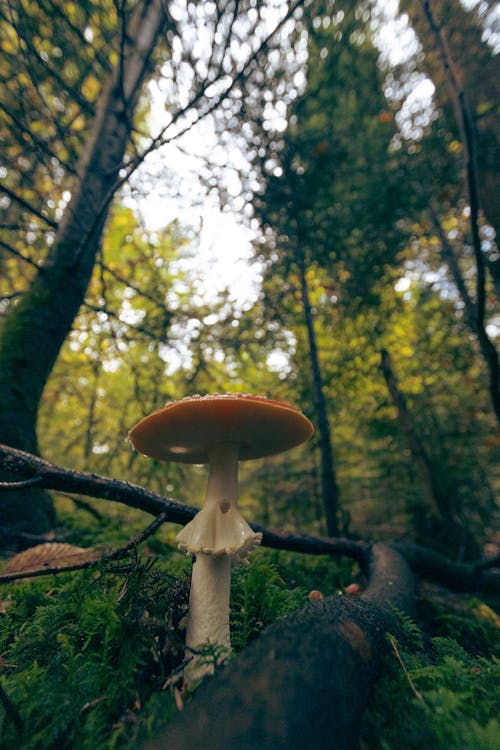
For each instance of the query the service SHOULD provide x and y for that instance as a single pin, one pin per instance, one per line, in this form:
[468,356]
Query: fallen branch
[11,711]
[305,682]
[59,479]
[472,576]
[90,555]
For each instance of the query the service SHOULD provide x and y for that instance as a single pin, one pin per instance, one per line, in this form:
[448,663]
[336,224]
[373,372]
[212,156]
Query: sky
[224,249]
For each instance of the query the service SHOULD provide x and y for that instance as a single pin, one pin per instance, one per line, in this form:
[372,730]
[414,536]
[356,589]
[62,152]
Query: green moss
[275,584]
[84,655]
[437,696]
[87,657]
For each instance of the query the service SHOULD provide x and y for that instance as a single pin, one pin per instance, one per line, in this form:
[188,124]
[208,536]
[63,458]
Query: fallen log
[305,682]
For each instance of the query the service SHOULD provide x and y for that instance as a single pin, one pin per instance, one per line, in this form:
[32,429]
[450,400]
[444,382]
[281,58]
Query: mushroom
[219,430]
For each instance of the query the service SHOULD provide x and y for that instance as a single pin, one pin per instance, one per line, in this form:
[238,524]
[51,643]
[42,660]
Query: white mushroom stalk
[216,535]
[219,528]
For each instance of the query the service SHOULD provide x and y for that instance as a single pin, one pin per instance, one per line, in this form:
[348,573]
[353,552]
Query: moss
[88,659]
[84,653]
[437,694]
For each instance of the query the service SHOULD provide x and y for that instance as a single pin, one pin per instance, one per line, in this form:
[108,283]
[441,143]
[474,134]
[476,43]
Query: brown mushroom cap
[185,430]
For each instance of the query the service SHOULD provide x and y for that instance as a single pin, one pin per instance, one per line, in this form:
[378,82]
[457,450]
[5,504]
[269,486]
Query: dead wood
[481,576]
[305,682]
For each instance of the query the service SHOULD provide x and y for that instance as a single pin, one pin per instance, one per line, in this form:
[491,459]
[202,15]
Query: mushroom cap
[185,430]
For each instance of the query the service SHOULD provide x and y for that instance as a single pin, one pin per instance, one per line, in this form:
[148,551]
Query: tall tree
[464,70]
[329,195]
[36,328]
[197,79]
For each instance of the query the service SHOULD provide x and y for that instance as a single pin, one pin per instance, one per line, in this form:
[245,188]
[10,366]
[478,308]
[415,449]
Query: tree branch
[17,254]
[163,139]
[473,576]
[22,484]
[92,556]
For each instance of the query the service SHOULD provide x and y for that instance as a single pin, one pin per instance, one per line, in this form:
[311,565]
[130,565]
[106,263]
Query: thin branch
[83,505]
[17,198]
[394,645]
[473,576]
[94,556]
[162,139]
[449,257]
[9,297]
[22,484]
[55,9]
[17,254]
[27,137]
[130,285]
[139,329]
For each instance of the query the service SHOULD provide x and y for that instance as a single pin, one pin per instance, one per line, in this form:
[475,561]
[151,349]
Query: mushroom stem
[215,535]
[208,619]
[222,485]
[219,528]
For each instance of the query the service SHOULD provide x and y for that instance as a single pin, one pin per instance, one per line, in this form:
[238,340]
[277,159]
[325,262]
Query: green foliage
[435,695]
[276,583]
[258,598]
[82,657]
[88,659]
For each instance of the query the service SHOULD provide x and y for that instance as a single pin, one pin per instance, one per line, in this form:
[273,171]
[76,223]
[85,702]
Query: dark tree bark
[480,576]
[435,518]
[468,134]
[305,682]
[329,487]
[420,456]
[37,327]
[469,89]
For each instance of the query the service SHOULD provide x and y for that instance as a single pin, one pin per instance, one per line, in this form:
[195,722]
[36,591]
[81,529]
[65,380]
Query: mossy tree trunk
[37,327]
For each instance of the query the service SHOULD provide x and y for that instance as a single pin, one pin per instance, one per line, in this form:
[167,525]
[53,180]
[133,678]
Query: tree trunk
[459,78]
[305,682]
[476,323]
[329,487]
[444,528]
[37,327]
[475,69]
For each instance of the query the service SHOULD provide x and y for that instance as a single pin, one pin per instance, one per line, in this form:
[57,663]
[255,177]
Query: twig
[31,482]
[22,202]
[117,554]
[394,645]
[82,505]
[17,254]
[426,562]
